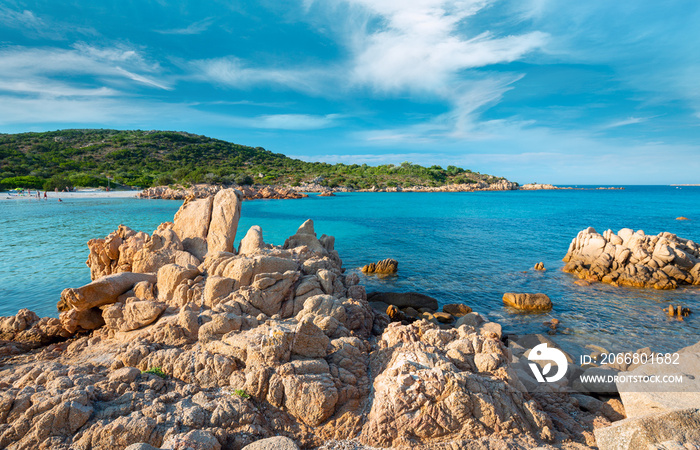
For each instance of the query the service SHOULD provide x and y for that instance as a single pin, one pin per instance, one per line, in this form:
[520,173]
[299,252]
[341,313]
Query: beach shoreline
[83,193]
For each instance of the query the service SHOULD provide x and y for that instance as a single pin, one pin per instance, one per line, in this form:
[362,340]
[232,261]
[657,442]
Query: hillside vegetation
[87,158]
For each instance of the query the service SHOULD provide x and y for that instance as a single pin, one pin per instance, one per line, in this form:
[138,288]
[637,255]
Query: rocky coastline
[294,192]
[631,258]
[183,341]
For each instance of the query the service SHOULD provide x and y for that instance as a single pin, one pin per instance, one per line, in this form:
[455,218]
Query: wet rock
[539,266]
[457,309]
[528,302]
[386,266]
[404,299]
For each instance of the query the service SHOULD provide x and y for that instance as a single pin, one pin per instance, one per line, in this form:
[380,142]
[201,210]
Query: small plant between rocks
[155,371]
[241,393]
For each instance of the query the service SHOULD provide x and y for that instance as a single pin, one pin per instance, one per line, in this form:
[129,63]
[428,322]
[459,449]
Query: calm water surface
[457,247]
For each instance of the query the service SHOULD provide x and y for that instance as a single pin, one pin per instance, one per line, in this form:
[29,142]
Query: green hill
[150,158]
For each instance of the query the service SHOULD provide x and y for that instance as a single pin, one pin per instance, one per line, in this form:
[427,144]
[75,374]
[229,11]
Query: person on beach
[45,194]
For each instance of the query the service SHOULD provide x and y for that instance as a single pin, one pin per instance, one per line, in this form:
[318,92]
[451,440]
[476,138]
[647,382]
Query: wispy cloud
[624,122]
[142,79]
[36,26]
[295,121]
[47,71]
[195,28]
[234,72]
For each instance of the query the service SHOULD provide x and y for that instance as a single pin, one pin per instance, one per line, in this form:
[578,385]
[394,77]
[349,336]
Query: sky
[548,91]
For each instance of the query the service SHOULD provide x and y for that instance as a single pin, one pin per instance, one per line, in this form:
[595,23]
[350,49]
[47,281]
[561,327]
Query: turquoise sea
[457,247]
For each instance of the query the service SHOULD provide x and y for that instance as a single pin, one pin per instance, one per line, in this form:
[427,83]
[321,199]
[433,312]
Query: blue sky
[555,91]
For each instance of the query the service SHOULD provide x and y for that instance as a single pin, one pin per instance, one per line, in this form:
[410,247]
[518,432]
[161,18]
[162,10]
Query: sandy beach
[82,193]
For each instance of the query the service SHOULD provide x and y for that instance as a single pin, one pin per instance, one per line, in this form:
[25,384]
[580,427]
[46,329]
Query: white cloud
[419,47]
[294,121]
[143,80]
[39,70]
[624,122]
[194,28]
[423,46]
[232,71]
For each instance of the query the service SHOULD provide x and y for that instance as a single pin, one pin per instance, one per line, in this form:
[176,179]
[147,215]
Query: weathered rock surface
[100,292]
[677,429]
[383,267]
[630,258]
[527,302]
[226,211]
[275,341]
[457,309]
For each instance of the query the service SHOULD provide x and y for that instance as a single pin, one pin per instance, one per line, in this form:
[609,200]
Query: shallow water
[457,247]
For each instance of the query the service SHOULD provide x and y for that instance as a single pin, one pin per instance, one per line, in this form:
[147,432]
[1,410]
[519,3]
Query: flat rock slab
[679,427]
[404,299]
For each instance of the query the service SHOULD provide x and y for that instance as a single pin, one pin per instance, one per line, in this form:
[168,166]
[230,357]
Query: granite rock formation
[631,258]
[227,350]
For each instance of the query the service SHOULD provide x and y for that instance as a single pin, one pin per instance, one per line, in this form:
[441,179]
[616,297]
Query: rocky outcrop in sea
[206,190]
[183,341]
[631,258]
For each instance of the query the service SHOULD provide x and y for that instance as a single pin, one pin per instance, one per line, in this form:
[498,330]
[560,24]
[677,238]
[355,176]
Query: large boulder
[306,236]
[133,314]
[192,225]
[527,302]
[677,429]
[273,443]
[100,292]
[631,258]
[383,267]
[252,242]
[225,213]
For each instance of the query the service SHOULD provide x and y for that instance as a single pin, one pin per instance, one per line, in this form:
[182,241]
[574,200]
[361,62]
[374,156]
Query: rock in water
[539,266]
[457,309]
[528,302]
[386,266]
[404,299]
[630,258]
[242,347]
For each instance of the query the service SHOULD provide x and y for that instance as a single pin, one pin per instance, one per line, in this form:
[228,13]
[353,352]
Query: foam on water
[457,247]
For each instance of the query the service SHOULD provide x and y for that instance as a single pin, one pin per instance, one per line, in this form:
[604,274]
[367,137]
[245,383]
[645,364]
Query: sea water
[456,247]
